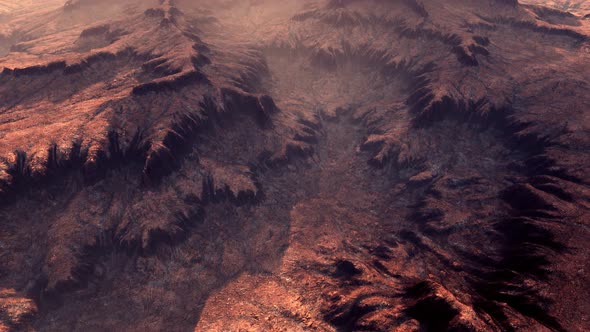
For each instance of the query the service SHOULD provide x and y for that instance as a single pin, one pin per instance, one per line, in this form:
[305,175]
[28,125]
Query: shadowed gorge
[302,165]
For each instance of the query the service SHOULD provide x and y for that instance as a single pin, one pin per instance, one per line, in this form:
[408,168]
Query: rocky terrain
[579,8]
[302,165]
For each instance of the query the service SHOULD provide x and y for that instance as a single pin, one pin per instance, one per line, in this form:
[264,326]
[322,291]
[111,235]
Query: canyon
[303,165]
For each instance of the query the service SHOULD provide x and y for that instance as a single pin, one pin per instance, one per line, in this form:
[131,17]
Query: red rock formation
[302,165]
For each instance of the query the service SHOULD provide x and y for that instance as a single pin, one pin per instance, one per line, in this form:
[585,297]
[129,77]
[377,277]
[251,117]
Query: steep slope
[303,165]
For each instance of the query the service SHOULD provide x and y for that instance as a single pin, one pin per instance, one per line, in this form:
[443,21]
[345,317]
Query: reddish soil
[303,165]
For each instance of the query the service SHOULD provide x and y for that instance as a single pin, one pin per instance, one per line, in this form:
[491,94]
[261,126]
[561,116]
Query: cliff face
[303,165]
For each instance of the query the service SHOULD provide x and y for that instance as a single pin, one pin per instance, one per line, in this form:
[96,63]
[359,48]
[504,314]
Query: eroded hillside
[303,165]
